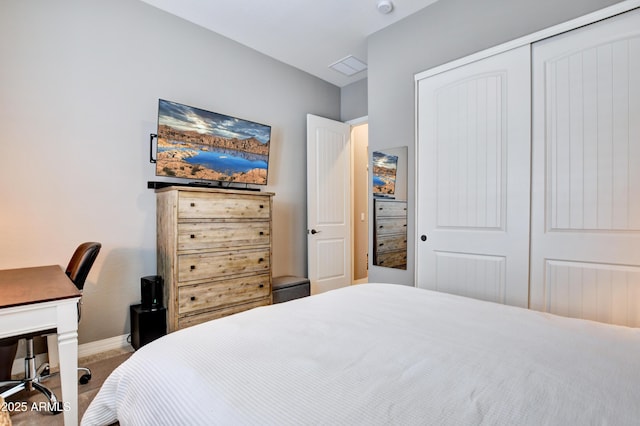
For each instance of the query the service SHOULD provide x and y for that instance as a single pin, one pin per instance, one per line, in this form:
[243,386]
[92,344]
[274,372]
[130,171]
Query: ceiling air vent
[349,65]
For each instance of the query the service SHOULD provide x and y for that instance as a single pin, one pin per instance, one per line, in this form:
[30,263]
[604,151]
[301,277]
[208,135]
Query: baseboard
[84,350]
[104,345]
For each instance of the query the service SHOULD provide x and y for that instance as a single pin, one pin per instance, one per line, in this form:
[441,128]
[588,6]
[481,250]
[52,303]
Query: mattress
[380,354]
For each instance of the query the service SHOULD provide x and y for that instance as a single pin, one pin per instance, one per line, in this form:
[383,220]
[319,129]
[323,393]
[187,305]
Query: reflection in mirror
[389,174]
[385,167]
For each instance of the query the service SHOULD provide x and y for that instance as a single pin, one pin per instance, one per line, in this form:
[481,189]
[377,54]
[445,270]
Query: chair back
[81,263]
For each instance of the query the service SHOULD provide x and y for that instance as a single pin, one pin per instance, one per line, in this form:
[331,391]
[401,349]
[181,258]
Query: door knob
[313,232]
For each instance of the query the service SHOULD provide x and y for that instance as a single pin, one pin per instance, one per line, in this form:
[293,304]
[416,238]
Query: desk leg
[52,349]
[68,353]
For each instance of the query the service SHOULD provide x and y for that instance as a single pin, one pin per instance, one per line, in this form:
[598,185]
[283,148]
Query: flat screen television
[384,174]
[206,146]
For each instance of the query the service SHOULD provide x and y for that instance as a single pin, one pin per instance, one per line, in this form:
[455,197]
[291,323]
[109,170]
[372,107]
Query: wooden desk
[42,298]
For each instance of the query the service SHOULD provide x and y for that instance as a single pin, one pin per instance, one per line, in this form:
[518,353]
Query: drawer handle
[193,235]
[193,298]
[261,206]
[261,285]
[381,226]
[380,245]
[193,267]
[261,260]
[193,204]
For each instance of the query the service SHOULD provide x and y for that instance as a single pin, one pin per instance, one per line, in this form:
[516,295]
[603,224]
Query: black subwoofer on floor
[147,325]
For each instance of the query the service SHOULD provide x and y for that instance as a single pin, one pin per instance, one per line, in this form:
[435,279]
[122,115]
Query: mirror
[389,187]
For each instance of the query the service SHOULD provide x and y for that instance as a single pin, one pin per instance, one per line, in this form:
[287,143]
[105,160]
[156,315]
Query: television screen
[203,145]
[384,174]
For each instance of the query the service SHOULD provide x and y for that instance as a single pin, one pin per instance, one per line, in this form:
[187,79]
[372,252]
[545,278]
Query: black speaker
[147,325]
[151,292]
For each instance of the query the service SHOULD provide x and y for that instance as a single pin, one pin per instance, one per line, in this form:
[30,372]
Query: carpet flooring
[101,366]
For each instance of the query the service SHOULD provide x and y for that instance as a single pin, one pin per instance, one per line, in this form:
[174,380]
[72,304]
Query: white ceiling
[309,35]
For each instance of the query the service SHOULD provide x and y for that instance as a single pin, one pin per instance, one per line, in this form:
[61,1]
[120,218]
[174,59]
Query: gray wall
[79,86]
[353,100]
[440,33]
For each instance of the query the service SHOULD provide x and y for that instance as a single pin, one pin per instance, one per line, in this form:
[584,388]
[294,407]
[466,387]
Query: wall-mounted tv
[384,174]
[206,146]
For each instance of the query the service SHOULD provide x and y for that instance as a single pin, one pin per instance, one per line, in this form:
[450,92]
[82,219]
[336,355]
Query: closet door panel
[585,231]
[474,179]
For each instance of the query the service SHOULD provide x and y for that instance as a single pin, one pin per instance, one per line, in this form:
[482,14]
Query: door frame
[355,123]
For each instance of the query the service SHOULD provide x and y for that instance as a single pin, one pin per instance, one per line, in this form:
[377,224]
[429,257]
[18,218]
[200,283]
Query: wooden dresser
[390,233]
[214,252]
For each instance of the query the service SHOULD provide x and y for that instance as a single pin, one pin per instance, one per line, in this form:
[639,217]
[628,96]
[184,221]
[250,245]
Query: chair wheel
[84,379]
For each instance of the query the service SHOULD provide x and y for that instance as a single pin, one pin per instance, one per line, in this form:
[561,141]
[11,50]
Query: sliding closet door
[585,241]
[474,179]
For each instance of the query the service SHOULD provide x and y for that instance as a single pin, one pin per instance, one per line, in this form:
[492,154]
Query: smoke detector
[385,6]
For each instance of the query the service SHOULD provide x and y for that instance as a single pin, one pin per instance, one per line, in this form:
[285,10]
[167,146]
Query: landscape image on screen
[203,145]
[384,174]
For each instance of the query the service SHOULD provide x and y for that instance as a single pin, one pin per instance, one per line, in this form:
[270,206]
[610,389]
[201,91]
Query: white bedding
[380,354]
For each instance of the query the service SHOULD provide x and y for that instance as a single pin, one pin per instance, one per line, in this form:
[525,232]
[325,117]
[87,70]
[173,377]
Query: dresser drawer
[204,266]
[391,208]
[392,259]
[192,298]
[208,235]
[189,320]
[196,205]
[391,225]
[391,242]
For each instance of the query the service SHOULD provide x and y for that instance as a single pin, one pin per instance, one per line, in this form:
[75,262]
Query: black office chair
[77,270]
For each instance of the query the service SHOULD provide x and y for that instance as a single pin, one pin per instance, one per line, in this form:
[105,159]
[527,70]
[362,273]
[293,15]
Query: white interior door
[474,179]
[585,231]
[328,203]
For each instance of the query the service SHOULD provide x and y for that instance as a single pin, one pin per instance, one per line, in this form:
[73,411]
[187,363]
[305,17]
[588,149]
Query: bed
[379,354]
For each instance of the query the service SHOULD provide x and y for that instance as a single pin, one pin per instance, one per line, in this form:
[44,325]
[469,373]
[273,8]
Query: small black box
[288,287]
[147,325]
[151,292]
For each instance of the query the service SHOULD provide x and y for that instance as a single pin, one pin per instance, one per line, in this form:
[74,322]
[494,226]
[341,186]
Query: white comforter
[378,354]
